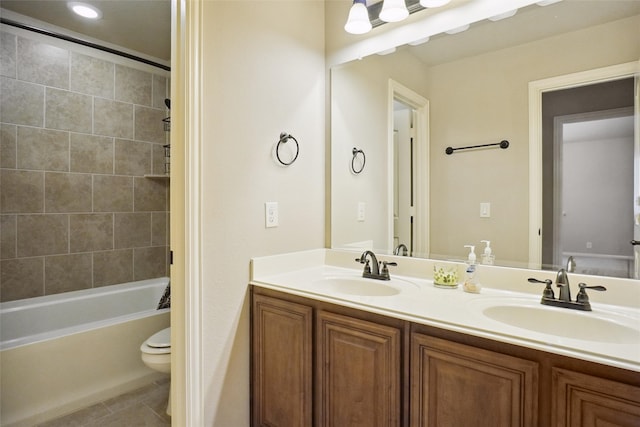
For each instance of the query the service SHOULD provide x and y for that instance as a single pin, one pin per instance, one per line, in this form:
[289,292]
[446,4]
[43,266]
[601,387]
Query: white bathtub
[63,352]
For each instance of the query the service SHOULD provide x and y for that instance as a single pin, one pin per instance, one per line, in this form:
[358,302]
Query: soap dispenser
[487,257]
[470,280]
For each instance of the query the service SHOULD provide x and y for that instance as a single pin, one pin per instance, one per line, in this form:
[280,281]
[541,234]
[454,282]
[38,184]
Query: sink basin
[588,326]
[362,287]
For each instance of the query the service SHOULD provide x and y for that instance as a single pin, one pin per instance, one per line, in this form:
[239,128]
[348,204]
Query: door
[358,373]
[636,181]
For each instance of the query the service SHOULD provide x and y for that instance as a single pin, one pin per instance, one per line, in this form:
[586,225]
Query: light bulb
[393,11]
[433,3]
[358,20]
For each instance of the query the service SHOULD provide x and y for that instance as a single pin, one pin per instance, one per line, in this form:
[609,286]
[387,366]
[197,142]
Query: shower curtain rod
[83,43]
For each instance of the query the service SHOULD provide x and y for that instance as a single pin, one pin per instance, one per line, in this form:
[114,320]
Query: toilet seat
[158,343]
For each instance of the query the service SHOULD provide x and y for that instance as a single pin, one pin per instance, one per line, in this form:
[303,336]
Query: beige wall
[263,73]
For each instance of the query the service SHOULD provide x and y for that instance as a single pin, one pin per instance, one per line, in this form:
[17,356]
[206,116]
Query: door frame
[536,89]
[420,105]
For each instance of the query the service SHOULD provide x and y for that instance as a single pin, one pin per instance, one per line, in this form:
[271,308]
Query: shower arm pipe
[82,42]
[503,144]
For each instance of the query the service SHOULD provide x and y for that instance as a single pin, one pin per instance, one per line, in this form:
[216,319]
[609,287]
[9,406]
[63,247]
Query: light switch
[485,210]
[271,214]
[361,211]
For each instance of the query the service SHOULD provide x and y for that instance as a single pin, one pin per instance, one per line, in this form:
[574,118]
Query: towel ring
[284,137]
[355,152]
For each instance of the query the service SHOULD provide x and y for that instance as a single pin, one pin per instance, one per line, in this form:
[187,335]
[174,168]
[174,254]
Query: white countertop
[303,273]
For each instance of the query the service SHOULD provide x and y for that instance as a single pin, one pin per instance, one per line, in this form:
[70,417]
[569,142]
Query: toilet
[156,354]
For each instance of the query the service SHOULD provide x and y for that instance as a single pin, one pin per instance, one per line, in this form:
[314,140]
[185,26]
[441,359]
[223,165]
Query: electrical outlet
[271,214]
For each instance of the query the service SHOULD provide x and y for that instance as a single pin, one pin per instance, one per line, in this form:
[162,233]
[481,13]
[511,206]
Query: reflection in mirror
[476,96]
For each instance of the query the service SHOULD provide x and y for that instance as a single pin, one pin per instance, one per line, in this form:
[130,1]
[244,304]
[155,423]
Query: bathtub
[63,352]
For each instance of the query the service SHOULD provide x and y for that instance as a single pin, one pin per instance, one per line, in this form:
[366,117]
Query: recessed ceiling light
[85,10]
[458,29]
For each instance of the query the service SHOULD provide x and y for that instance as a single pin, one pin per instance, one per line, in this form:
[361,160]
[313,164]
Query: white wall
[263,72]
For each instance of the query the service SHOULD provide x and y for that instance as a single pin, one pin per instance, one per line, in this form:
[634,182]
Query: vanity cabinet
[586,400]
[358,372]
[454,384]
[320,364]
[281,363]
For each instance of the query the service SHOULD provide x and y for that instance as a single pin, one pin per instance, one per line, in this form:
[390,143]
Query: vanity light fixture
[504,15]
[433,3]
[85,10]
[393,11]
[547,2]
[358,21]
[362,17]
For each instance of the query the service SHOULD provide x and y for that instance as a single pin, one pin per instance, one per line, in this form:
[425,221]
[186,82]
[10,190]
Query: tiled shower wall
[78,132]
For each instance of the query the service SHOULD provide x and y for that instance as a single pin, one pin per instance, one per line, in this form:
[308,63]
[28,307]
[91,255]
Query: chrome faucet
[372,269]
[564,299]
[401,247]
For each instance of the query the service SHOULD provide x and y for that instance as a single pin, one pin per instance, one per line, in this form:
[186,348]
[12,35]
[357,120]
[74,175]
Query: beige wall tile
[8,146]
[43,63]
[132,230]
[64,273]
[43,149]
[68,111]
[21,191]
[149,125]
[42,235]
[8,236]
[21,278]
[67,192]
[150,194]
[133,86]
[21,103]
[112,267]
[90,232]
[90,153]
[92,76]
[159,91]
[149,262]
[8,48]
[132,157]
[113,118]
[112,193]
[159,228]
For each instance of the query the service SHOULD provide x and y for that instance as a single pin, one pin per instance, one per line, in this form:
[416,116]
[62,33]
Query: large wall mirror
[477,90]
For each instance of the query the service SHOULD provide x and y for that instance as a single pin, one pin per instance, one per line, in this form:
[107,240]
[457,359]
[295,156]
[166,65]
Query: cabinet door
[585,400]
[457,385]
[282,373]
[358,377]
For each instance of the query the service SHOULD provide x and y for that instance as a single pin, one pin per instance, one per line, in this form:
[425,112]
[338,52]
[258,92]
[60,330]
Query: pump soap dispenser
[487,257]
[470,280]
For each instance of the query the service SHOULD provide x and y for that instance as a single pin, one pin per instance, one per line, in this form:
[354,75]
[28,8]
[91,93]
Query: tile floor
[143,407]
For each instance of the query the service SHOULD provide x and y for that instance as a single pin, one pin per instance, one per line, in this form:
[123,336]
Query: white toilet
[156,354]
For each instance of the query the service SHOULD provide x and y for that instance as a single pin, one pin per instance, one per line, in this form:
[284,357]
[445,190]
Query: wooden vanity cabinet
[282,372]
[358,374]
[587,400]
[453,384]
[324,365]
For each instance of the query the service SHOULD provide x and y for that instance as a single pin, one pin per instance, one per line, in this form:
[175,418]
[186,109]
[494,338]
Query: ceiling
[143,26]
